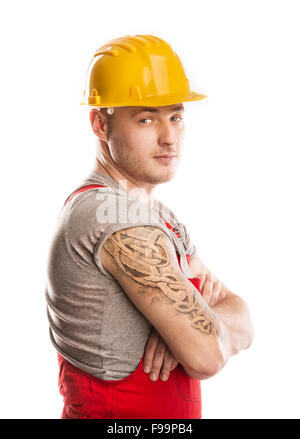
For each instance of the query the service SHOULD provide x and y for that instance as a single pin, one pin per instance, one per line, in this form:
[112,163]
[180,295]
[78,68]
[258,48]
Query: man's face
[139,135]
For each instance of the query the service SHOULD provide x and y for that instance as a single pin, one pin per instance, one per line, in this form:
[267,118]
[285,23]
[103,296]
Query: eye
[176,117]
[141,120]
[173,117]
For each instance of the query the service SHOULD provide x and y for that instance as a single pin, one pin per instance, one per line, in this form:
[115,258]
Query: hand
[211,289]
[158,357]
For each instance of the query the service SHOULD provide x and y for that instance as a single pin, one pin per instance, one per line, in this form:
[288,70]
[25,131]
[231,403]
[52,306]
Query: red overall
[133,397]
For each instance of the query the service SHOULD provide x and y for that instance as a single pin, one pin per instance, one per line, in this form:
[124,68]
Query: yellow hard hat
[139,70]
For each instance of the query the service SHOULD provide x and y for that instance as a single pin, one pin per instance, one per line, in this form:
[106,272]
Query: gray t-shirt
[93,323]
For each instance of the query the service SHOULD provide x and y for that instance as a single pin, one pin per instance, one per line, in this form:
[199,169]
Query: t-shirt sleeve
[94,215]
[115,212]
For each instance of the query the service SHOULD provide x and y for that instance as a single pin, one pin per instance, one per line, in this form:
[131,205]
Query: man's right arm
[143,260]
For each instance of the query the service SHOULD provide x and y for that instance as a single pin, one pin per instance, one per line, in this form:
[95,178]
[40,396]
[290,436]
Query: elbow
[212,357]
[248,329]
[250,337]
[212,367]
[208,368]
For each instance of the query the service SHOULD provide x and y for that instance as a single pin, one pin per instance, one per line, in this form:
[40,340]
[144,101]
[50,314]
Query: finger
[203,279]
[174,364]
[201,276]
[222,295]
[207,288]
[216,290]
[158,359]
[150,350]
[174,361]
[167,366]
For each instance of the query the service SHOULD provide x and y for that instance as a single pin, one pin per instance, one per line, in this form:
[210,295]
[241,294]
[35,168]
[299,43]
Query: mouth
[165,158]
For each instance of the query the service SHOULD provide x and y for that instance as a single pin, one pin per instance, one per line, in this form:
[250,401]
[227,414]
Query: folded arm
[143,260]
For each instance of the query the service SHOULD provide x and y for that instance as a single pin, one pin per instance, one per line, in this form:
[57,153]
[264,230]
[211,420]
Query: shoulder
[80,211]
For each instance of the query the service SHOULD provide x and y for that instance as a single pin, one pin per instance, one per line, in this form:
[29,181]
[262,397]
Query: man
[124,278]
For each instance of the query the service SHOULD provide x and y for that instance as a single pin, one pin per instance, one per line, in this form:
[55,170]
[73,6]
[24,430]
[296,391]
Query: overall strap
[91,186]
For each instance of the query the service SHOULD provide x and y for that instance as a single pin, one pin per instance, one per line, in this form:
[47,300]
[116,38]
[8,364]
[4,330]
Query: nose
[167,134]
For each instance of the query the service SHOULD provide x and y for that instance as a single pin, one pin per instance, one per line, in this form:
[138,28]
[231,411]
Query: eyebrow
[154,110]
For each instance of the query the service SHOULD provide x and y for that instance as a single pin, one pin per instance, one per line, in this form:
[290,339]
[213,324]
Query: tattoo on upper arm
[143,254]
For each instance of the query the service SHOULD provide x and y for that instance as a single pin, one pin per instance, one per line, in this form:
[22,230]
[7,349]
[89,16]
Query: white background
[237,189]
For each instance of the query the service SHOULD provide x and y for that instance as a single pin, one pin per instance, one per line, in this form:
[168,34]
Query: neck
[142,191]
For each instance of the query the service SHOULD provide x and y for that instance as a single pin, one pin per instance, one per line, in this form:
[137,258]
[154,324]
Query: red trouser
[133,397]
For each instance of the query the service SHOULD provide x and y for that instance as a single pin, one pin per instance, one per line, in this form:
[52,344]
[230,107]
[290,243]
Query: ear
[99,125]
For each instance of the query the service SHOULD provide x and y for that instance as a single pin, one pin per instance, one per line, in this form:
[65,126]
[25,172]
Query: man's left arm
[232,310]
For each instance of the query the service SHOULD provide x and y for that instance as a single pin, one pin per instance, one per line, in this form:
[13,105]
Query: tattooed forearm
[143,254]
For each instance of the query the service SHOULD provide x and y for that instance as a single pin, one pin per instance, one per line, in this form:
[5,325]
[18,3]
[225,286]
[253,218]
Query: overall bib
[133,397]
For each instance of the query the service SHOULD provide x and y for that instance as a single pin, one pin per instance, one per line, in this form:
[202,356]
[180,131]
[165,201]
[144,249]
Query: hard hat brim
[152,101]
